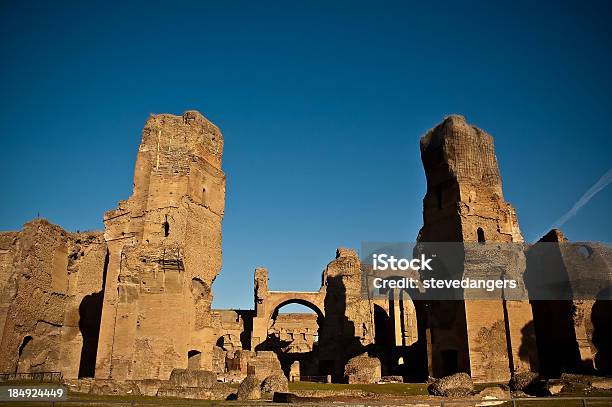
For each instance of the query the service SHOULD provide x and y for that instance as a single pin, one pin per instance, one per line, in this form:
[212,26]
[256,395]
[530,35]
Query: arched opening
[585,251]
[221,343]
[293,334]
[199,289]
[383,328]
[297,306]
[193,359]
[295,326]
[396,336]
[481,235]
[90,313]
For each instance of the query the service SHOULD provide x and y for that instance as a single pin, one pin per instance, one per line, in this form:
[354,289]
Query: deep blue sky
[321,106]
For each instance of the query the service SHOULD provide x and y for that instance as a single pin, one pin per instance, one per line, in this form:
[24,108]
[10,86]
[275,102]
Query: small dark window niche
[481,235]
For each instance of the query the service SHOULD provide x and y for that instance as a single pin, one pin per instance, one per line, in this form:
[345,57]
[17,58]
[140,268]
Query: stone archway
[295,332]
[292,339]
[272,301]
[268,302]
[293,335]
[316,309]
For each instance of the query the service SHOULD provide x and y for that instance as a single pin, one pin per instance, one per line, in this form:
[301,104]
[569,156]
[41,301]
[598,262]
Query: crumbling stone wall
[464,190]
[134,302]
[233,340]
[51,284]
[343,317]
[165,252]
[267,304]
[574,330]
[233,327]
[297,332]
[348,325]
[399,334]
[465,203]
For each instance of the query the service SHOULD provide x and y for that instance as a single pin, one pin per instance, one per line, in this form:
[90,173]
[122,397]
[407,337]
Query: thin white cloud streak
[603,182]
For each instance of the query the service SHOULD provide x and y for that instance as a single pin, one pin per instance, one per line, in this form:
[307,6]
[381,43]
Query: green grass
[166,401]
[76,399]
[393,390]
[562,403]
[114,400]
[396,389]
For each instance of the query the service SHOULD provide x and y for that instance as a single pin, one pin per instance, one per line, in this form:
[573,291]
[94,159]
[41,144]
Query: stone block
[275,383]
[362,369]
[112,387]
[456,385]
[249,389]
[192,378]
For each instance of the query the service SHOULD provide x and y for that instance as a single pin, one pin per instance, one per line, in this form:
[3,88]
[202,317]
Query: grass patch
[396,389]
[392,390]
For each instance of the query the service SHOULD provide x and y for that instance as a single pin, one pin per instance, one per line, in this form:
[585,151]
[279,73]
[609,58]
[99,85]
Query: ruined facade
[344,326]
[574,332]
[299,331]
[51,288]
[164,247]
[134,302]
[465,203]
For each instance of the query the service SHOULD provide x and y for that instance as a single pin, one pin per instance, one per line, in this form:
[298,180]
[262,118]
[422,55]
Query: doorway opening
[450,361]
[194,358]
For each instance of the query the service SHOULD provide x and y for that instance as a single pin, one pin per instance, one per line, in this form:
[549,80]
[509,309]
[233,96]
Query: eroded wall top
[464,199]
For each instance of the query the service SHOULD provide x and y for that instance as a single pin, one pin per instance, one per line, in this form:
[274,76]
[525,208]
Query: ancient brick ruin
[134,302]
[51,287]
[465,203]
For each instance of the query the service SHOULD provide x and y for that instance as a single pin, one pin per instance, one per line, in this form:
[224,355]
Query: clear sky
[321,104]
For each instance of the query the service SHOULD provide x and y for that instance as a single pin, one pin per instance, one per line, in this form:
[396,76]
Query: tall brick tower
[164,253]
[465,203]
